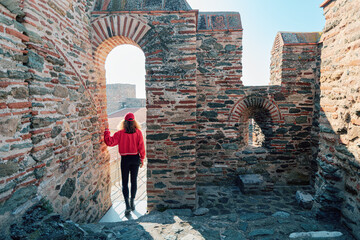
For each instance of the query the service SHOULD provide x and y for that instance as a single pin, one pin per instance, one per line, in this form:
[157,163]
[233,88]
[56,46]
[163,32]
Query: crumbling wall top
[219,21]
[325,3]
[142,5]
[300,37]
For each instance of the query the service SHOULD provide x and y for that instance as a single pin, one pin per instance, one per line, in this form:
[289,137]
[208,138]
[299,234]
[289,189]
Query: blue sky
[261,20]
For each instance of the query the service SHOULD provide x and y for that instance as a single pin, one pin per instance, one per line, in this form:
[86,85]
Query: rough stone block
[201,211]
[8,126]
[251,183]
[305,200]
[9,168]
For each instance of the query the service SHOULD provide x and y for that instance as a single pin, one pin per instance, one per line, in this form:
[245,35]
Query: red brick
[17,34]
[13,140]
[187,32]
[3,105]
[19,105]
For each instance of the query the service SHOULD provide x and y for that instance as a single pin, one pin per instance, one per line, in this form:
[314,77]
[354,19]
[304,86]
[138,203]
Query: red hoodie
[129,143]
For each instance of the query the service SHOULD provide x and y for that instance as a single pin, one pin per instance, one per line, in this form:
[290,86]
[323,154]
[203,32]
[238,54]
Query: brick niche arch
[265,112]
[245,103]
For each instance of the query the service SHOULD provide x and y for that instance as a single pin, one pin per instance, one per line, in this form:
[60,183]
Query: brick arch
[245,103]
[133,29]
[103,50]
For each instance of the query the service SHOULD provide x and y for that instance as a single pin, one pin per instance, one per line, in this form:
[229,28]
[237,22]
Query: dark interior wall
[338,179]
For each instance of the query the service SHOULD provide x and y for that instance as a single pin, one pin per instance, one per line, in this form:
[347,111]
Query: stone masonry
[53,106]
[338,175]
[284,110]
[50,130]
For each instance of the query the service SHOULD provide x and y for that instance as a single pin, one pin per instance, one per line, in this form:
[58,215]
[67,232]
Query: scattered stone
[281,214]
[319,234]
[201,211]
[304,200]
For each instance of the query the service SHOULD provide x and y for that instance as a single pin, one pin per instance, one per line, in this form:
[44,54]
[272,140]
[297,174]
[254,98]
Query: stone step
[315,235]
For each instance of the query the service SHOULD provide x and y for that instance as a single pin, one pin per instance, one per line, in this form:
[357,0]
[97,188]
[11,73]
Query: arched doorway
[121,94]
[125,92]
[255,119]
[171,93]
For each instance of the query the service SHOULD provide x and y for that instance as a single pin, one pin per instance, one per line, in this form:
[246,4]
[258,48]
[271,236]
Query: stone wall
[168,40]
[50,144]
[285,112]
[295,63]
[134,103]
[116,95]
[53,105]
[338,179]
[219,72]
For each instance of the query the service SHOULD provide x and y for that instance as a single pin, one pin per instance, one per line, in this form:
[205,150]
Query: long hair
[129,126]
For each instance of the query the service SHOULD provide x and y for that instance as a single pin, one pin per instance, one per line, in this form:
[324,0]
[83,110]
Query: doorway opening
[256,135]
[259,127]
[125,92]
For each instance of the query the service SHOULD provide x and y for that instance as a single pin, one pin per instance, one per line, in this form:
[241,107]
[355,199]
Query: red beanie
[129,117]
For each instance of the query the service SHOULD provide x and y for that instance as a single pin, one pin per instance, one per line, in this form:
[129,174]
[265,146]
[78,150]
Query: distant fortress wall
[122,96]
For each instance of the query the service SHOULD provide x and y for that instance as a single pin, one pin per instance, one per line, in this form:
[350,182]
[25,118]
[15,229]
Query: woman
[132,150]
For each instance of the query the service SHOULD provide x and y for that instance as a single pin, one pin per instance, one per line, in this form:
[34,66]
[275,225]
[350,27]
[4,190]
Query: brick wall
[49,146]
[338,177]
[285,112]
[219,71]
[53,106]
[169,44]
[295,65]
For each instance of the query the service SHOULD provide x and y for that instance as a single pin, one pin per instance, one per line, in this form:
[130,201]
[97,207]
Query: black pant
[129,164]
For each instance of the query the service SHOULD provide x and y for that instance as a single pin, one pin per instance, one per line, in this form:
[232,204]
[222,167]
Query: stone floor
[228,214]
[117,212]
